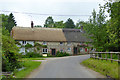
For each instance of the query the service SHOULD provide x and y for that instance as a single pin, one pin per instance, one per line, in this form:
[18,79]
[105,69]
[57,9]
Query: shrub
[31,55]
[61,54]
[49,55]
[9,62]
[9,54]
[66,54]
[17,42]
[28,46]
[40,45]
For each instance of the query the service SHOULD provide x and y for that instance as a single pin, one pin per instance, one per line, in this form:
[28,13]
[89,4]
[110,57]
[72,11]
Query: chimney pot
[32,24]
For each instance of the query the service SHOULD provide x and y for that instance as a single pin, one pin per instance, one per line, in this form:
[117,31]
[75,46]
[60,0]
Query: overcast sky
[50,7]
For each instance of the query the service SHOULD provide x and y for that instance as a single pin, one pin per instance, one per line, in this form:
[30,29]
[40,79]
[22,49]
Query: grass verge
[29,67]
[102,66]
[26,59]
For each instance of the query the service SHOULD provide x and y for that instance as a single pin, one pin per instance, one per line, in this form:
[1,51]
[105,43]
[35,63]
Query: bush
[49,55]
[40,45]
[9,62]
[32,55]
[9,54]
[28,46]
[61,54]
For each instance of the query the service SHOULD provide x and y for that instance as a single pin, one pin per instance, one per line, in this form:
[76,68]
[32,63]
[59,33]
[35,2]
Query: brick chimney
[32,24]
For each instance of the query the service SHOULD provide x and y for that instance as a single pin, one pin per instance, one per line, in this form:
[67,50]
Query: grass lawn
[29,67]
[24,59]
[102,66]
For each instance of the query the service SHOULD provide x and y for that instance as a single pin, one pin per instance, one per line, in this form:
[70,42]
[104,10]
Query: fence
[113,56]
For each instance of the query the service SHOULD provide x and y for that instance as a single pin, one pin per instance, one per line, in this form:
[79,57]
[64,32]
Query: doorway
[53,52]
[75,50]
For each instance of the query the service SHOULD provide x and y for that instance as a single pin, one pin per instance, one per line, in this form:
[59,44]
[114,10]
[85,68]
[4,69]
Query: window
[69,49]
[24,42]
[81,43]
[61,43]
[44,50]
[44,43]
[68,43]
[81,49]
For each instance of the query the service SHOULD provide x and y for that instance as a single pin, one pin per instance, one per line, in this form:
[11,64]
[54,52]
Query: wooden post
[90,55]
[119,66]
[111,58]
[95,55]
[106,56]
[98,56]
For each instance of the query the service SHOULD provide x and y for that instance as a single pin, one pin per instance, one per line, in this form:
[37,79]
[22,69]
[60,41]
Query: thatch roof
[38,34]
[48,34]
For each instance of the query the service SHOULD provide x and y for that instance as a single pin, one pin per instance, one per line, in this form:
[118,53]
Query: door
[53,52]
[75,50]
[85,49]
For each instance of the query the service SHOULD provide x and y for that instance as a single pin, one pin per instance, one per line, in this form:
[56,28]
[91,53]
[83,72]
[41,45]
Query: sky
[41,9]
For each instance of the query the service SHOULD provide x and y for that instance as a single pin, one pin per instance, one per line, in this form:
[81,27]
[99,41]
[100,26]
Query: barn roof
[48,34]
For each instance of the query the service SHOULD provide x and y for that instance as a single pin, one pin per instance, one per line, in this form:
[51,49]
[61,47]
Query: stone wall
[65,47]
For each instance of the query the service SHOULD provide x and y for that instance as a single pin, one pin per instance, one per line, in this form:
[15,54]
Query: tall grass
[102,66]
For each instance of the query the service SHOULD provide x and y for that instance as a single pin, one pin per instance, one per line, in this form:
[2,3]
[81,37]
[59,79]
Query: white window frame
[44,50]
[69,49]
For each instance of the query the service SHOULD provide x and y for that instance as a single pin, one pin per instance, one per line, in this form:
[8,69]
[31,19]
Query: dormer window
[44,43]
[68,43]
[24,42]
[61,43]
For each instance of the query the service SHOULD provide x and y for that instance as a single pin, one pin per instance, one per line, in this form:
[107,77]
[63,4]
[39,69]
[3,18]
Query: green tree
[49,22]
[94,17]
[8,21]
[69,23]
[9,48]
[59,24]
[95,29]
[9,52]
[37,26]
[113,26]
[80,23]
[105,34]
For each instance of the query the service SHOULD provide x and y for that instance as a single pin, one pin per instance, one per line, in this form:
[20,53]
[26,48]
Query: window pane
[46,50]
[44,43]
[61,42]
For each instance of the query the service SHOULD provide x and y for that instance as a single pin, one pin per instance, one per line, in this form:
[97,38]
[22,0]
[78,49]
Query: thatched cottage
[71,41]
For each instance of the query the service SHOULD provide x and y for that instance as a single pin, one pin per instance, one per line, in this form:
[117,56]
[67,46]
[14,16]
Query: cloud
[63,7]
[46,1]
[22,19]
